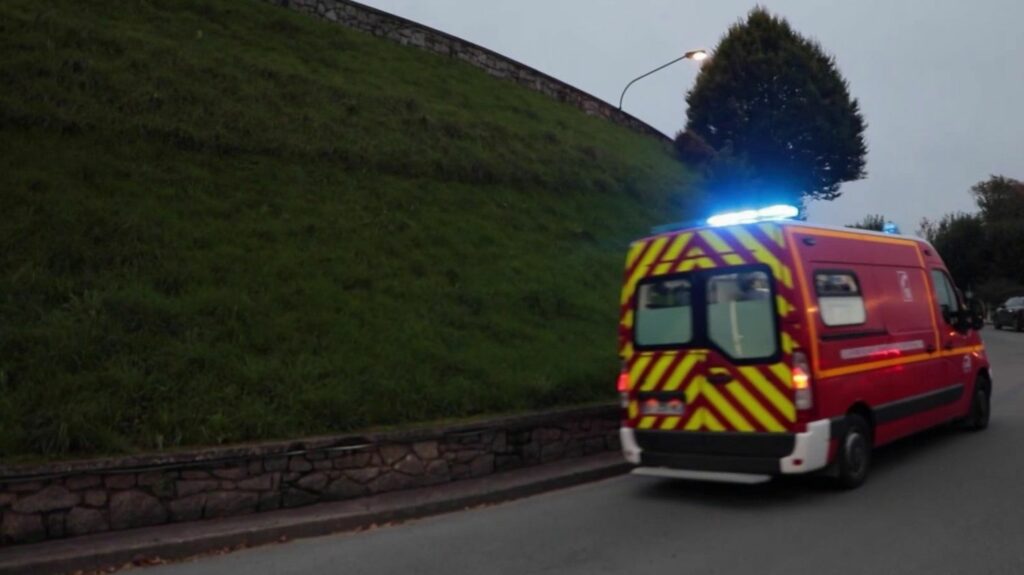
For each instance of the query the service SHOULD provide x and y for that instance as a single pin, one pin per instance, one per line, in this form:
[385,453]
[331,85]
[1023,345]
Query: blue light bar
[776,212]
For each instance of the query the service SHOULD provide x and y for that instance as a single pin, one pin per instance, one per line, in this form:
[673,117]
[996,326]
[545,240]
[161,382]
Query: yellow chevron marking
[716,242]
[638,368]
[634,409]
[712,422]
[764,256]
[681,371]
[647,422]
[705,263]
[788,345]
[785,308]
[753,406]
[627,320]
[634,252]
[670,422]
[695,251]
[654,376]
[726,409]
[733,259]
[769,391]
[775,233]
[787,276]
[782,372]
[673,251]
[693,389]
[662,268]
[627,350]
[686,265]
[638,272]
[695,420]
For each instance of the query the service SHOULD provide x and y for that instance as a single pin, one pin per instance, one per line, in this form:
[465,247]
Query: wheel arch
[860,408]
[864,410]
[984,378]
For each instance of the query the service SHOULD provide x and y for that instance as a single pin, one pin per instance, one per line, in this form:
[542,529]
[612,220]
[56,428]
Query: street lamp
[695,55]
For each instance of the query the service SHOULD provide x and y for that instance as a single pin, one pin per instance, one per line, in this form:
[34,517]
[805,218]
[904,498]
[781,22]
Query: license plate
[655,407]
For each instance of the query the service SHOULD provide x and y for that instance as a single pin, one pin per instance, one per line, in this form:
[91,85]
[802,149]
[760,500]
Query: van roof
[686,226]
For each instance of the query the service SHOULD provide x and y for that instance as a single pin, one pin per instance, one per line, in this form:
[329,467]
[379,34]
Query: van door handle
[930,348]
[948,345]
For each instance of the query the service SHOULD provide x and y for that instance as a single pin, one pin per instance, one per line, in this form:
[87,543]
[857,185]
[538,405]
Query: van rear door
[711,353]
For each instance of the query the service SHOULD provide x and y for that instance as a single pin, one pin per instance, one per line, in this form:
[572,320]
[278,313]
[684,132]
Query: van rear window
[839,298]
[741,314]
[729,309]
[664,313]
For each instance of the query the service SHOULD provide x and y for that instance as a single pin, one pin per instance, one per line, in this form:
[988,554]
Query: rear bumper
[742,457]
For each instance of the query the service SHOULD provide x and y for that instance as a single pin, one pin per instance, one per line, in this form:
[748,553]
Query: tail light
[803,396]
[624,385]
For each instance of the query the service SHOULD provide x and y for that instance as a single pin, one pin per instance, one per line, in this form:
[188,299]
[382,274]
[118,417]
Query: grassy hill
[223,221]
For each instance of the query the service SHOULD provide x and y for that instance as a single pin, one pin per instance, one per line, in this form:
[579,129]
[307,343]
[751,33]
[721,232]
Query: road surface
[943,502]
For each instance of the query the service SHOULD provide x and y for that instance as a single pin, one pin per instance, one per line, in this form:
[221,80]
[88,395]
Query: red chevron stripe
[760,398]
[668,372]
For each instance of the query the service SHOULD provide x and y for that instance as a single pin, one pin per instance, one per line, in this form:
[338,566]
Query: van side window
[839,298]
[945,294]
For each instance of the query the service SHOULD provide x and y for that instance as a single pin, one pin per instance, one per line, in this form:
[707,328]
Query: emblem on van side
[908,294]
[967,363]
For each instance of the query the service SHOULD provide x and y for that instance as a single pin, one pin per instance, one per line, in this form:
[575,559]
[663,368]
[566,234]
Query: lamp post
[695,55]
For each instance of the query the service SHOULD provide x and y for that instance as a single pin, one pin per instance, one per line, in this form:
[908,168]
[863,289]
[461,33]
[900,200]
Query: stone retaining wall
[408,33]
[77,498]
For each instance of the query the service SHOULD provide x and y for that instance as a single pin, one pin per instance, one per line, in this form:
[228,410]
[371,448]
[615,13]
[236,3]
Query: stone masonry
[408,33]
[78,498]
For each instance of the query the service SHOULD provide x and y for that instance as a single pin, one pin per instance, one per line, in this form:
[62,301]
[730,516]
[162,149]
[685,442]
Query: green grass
[224,221]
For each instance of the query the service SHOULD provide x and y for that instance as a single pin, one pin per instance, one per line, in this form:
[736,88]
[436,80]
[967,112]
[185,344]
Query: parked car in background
[1010,314]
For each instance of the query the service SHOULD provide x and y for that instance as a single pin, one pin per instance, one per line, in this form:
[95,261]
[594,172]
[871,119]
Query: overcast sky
[940,82]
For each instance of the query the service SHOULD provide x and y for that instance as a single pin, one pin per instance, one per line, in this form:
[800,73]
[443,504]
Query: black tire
[854,455]
[996,326]
[981,406]
[1018,325]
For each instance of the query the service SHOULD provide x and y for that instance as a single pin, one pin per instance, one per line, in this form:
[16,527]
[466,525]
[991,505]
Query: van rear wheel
[854,454]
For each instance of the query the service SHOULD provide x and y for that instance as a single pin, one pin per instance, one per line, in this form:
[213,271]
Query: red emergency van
[779,347]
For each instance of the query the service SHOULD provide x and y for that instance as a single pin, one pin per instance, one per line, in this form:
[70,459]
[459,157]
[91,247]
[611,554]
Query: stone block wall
[408,33]
[78,498]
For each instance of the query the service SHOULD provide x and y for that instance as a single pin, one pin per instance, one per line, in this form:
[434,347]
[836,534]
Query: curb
[182,540]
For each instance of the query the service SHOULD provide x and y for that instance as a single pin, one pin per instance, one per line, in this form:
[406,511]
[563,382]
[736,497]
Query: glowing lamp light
[697,55]
[777,212]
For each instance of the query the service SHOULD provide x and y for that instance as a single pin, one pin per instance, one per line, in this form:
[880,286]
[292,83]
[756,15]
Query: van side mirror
[947,314]
[975,314]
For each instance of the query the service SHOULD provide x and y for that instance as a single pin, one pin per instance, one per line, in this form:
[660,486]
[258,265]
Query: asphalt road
[943,502]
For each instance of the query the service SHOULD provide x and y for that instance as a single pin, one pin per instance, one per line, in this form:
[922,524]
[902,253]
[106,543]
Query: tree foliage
[957,238]
[985,251]
[874,222]
[692,149]
[777,101]
[1000,199]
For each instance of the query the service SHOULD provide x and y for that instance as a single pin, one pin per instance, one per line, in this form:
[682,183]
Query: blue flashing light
[776,212]
[891,228]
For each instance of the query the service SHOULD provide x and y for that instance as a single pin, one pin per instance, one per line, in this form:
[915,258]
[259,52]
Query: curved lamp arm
[696,55]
